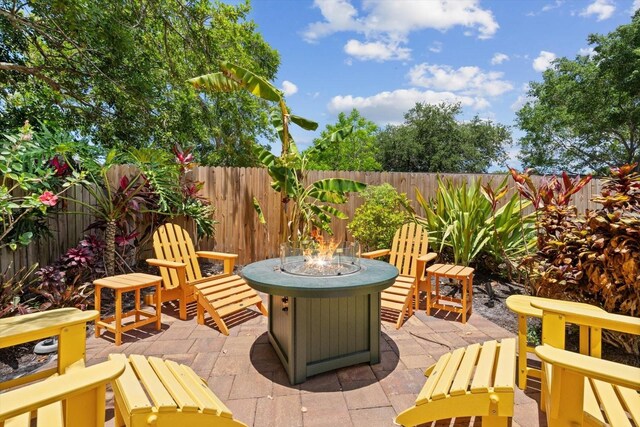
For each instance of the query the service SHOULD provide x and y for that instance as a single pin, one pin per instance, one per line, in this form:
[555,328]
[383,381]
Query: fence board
[231,191]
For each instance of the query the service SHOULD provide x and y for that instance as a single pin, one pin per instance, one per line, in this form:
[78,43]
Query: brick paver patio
[244,371]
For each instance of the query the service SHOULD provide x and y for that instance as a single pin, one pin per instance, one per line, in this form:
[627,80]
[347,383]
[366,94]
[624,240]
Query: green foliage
[302,207]
[115,71]
[463,219]
[30,183]
[355,152]
[592,257]
[12,287]
[377,219]
[585,114]
[68,282]
[432,140]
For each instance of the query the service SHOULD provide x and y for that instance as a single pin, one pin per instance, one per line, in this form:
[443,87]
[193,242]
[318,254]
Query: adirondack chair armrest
[34,396]
[228,259]
[216,255]
[428,257]
[376,254]
[35,326]
[587,316]
[167,264]
[422,261]
[592,367]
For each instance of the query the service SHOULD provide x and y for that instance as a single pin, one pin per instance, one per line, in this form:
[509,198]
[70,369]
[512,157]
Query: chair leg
[200,315]
[262,308]
[522,352]
[216,318]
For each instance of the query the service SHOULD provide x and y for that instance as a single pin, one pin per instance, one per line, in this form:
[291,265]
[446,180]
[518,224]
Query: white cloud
[389,107]
[392,21]
[522,99]
[543,61]
[603,9]
[551,6]
[636,5]
[289,88]
[499,58]
[376,51]
[436,47]
[587,51]
[469,81]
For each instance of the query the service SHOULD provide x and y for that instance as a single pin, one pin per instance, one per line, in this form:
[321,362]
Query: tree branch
[34,71]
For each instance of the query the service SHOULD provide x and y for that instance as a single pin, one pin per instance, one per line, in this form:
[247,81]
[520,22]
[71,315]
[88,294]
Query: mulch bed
[489,295]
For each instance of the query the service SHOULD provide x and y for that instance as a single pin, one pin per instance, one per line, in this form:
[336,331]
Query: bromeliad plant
[303,207]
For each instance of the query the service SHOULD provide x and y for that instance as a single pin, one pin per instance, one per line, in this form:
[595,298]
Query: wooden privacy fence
[231,190]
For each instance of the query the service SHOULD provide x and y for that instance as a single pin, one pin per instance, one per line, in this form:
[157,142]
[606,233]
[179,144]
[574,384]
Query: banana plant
[309,210]
[289,170]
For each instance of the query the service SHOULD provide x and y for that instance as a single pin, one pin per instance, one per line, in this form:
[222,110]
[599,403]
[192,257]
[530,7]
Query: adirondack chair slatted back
[172,243]
[409,242]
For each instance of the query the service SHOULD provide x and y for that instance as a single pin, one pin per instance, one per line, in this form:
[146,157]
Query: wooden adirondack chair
[474,381]
[409,253]
[182,279]
[69,325]
[75,399]
[582,389]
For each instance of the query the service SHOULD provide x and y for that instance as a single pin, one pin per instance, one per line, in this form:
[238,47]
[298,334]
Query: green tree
[432,140]
[356,152]
[115,72]
[585,114]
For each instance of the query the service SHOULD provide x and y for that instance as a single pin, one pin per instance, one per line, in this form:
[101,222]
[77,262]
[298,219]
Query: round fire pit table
[321,323]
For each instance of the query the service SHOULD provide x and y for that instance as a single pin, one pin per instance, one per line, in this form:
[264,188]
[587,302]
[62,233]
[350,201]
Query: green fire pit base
[315,335]
[316,323]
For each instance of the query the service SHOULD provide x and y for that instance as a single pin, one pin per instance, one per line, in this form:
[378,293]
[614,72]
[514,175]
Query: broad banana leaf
[234,77]
[258,208]
[255,84]
[339,185]
[305,124]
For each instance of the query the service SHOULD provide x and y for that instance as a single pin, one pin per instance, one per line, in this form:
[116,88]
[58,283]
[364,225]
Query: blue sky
[383,56]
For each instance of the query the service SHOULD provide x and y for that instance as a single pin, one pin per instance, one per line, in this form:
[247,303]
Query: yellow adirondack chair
[582,389]
[409,253]
[69,325]
[522,306]
[163,393]
[71,394]
[182,279]
[75,399]
[478,380]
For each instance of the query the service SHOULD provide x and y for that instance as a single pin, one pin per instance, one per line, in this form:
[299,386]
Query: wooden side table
[128,283]
[464,275]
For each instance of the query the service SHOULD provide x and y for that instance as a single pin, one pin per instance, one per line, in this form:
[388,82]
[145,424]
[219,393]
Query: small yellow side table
[128,283]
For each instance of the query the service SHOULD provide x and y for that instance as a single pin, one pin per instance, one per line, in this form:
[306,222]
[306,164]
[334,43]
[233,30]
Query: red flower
[60,167]
[48,198]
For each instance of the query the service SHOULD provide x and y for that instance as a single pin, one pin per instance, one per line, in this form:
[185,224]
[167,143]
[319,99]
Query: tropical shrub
[12,287]
[592,257]
[466,219]
[67,282]
[377,219]
[32,180]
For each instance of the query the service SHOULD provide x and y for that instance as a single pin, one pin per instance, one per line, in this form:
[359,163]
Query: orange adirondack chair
[182,279]
[410,254]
